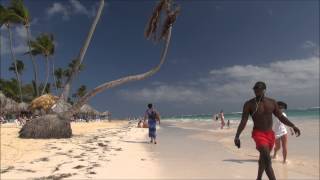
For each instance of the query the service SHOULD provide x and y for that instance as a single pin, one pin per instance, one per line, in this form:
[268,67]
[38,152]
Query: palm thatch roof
[61,106]
[3,100]
[106,113]
[22,107]
[7,105]
[87,109]
[44,102]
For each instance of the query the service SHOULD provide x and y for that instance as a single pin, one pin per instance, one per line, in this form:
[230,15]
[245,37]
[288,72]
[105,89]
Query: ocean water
[293,114]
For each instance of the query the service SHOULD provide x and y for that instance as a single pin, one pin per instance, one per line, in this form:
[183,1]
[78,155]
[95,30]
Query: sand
[120,150]
[93,145]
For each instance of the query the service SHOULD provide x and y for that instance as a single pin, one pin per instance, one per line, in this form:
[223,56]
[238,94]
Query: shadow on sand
[240,161]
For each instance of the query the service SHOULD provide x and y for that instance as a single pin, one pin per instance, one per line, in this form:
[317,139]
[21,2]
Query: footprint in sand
[78,167]
[26,170]
[57,176]
[6,169]
[102,145]
[42,159]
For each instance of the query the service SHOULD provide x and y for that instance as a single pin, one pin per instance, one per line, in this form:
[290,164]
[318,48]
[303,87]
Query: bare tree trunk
[35,68]
[123,80]
[47,75]
[15,63]
[66,90]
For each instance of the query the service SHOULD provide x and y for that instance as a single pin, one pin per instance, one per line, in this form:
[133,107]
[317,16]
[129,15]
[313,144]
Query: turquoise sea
[294,114]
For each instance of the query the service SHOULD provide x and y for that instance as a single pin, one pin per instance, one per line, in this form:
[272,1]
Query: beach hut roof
[61,106]
[10,106]
[45,102]
[22,106]
[106,113]
[87,109]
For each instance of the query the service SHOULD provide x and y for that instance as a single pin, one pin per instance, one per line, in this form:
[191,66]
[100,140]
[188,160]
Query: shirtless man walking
[261,109]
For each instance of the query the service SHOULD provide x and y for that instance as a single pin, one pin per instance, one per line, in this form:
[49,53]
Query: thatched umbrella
[44,102]
[3,101]
[60,106]
[87,109]
[7,105]
[22,107]
[104,113]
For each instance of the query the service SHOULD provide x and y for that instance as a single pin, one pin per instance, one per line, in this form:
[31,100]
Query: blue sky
[218,50]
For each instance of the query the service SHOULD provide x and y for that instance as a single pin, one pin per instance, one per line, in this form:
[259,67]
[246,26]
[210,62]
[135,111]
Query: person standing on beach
[153,116]
[221,116]
[281,134]
[261,109]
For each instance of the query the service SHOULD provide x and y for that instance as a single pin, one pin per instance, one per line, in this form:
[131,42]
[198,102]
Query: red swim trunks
[263,138]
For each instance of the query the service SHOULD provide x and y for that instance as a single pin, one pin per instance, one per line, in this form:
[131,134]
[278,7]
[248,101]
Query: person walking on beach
[261,109]
[221,116]
[281,134]
[153,116]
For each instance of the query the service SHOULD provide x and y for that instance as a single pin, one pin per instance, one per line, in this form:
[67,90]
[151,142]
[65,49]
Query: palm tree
[60,123]
[10,88]
[44,44]
[7,18]
[19,66]
[66,90]
[22,14]
[81,91]
[152,30]
[59,74]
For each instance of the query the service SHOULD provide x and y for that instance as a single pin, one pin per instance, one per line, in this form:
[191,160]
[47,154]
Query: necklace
[257,105]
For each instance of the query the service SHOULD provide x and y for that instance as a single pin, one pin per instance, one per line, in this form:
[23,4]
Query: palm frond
[171,18]
[154,20]
[20,10]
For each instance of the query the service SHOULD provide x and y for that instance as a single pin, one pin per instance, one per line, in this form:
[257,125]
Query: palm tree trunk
[35,68]
[123,80]
[54,77]
[15,62]
[66,90]
[47,75]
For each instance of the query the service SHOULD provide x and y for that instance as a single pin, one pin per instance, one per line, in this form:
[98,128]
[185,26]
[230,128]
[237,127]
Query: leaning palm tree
[22,14]
[7,18]
[43,45]
[58,125]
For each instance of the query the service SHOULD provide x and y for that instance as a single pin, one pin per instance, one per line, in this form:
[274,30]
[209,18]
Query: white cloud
[19,39]
[21,32]
[291,79]
[58,8]
[165,93]
[309,45]
[79,8]
[71,8]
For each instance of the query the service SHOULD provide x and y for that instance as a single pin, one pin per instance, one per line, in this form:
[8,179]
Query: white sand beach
[119,150]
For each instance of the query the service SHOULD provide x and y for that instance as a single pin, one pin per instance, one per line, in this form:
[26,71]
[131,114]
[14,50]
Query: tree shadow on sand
[241,161]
